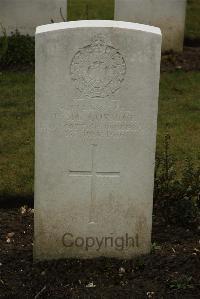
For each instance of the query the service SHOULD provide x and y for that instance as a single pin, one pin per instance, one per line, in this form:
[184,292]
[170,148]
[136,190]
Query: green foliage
[20,51]
[181,283]
[3,42]
[178,198]
[155,247]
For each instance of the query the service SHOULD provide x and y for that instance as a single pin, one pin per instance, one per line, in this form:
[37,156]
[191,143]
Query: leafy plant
[178,199]
[3,42]
[154,247]
[181,283]
[20,51]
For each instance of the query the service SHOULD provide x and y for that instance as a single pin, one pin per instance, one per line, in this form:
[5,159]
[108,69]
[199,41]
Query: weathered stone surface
[26,15]
[96,115]
[169,15]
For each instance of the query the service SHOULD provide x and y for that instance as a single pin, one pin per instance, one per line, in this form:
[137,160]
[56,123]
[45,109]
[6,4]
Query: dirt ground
[188,60]
[172,270]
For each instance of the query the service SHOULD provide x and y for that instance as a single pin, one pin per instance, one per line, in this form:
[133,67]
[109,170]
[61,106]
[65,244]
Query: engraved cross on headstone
[93,173]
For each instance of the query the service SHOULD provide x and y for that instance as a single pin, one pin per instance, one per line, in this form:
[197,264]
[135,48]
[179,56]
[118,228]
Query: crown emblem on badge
[98,69]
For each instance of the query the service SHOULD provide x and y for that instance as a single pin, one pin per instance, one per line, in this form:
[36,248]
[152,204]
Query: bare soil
[172,270]
[188,60]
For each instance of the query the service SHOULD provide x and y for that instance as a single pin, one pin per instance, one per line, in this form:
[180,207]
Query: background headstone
[96,117]
[168,15]
[26,15]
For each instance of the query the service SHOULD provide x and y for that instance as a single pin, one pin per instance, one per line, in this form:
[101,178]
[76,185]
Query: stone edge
[97,23]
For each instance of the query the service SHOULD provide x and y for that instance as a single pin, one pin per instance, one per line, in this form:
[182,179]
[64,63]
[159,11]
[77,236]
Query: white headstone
[169,15]
[96,114]
[26,15]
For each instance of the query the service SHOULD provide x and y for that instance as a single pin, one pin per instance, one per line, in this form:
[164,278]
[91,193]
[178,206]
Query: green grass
[90,9]
[193,19]
[179,110]
[104,9]
[179,113]
[17,133]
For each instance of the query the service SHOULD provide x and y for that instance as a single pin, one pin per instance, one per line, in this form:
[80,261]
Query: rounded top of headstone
[97,23]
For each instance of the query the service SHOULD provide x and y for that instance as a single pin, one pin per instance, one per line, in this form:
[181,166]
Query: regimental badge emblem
[98,69]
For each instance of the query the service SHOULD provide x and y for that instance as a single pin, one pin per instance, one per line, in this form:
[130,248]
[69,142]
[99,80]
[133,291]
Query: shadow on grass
[191,42]
[16,201]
